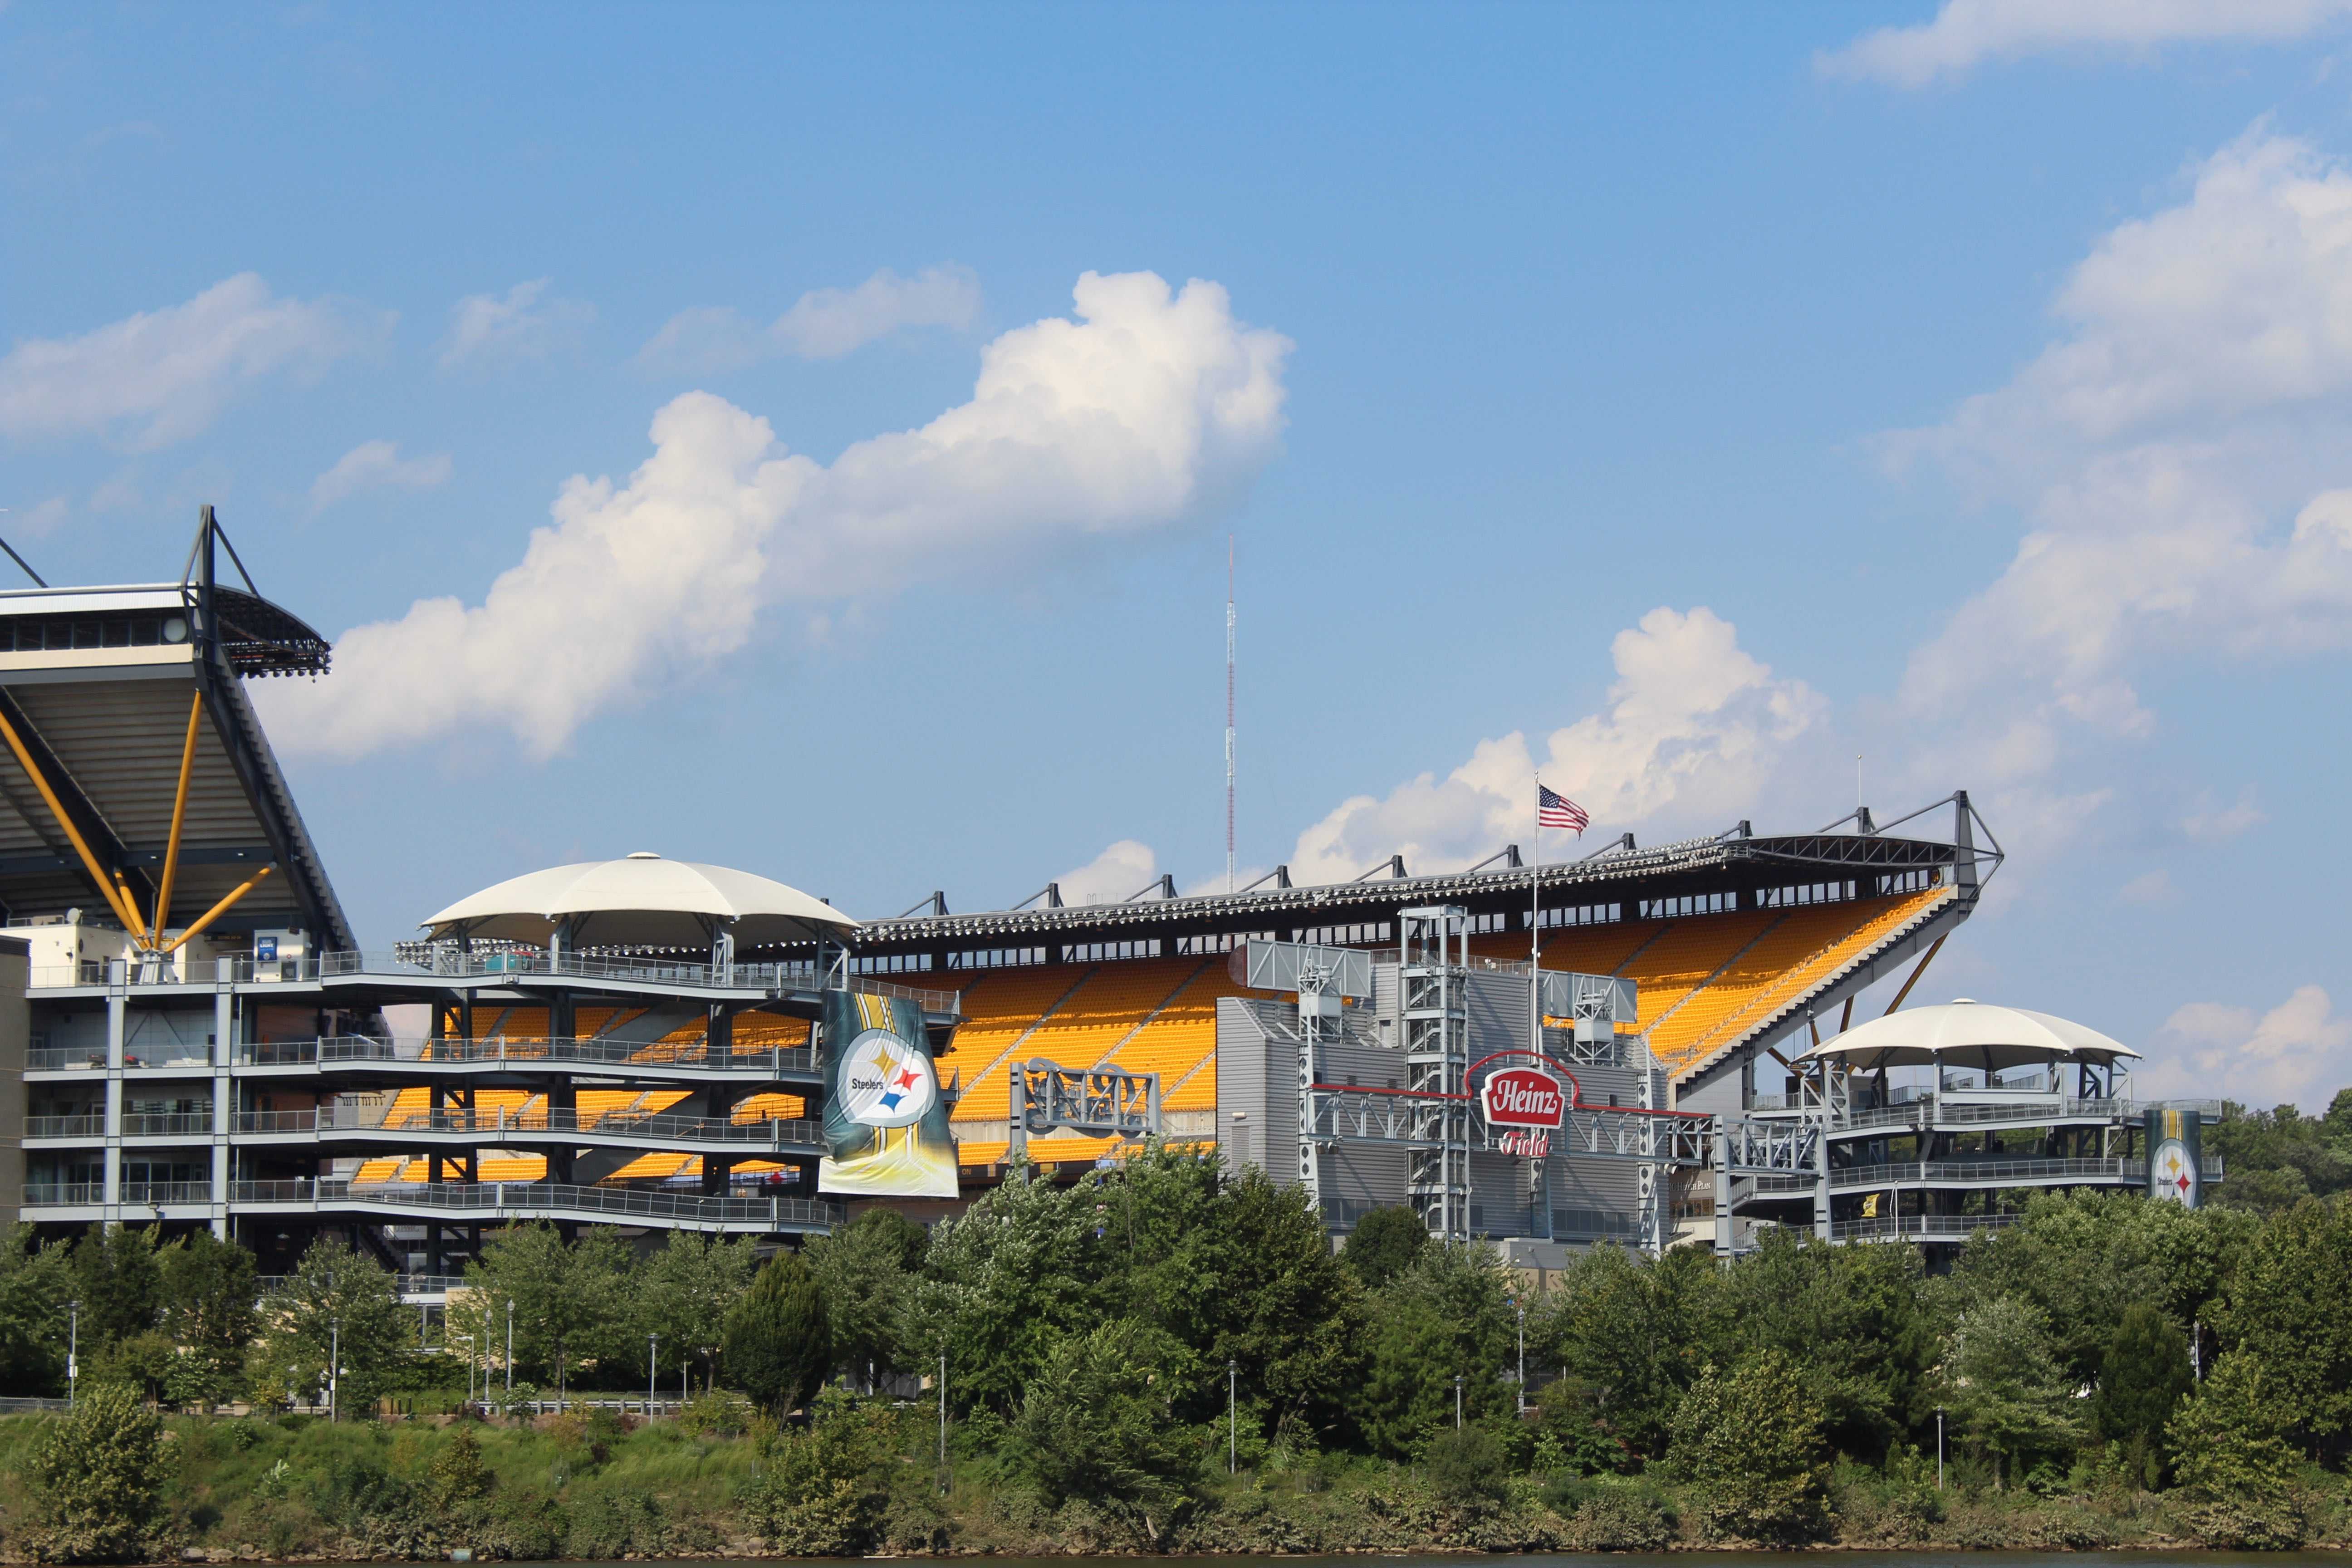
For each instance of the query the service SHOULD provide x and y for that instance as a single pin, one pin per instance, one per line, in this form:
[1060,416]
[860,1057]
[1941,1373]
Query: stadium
[192,1037]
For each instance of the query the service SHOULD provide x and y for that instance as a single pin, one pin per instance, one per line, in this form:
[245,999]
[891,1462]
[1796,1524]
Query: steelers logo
[887,1082]
[2175,1175]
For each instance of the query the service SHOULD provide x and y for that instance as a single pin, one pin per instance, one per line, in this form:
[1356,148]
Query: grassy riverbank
[600,1489]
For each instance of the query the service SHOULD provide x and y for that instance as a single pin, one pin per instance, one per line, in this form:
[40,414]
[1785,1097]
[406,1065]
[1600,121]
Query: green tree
[35,1284]
[459,1481]
[208,1313]
[1024,1264]
[1634,1334]
[1284,1311]
[2235,1464]
[2008,1393]
[1849,1318]
[684,1291]
[118,1282]
[1384,1244]
[2290,1307]
[571,1302]
[97,1480]
[1751,1442]
[335,1299]
[2143,1378]
[1100,1423]
[863,1273]
[2278,1157]
[779,1345]
[1446,1317]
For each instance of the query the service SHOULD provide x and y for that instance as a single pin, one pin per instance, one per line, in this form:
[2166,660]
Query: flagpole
[1534,929]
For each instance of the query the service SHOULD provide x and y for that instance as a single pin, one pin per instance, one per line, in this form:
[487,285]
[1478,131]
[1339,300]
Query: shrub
[97,1481]
[1467,1467]
[824,1490]
[1614,1516]
[2235,1467]
[1099,1424]
[1753,1444]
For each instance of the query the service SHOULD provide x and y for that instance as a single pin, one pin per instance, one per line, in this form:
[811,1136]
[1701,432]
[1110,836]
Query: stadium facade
[189,1034]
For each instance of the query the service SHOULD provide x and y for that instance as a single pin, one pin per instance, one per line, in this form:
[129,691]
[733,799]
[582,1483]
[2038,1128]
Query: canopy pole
[179,816]
[1926,959]
[122,910]
[220,909]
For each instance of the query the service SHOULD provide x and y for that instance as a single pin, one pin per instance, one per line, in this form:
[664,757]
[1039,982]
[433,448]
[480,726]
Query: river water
[1720,1560]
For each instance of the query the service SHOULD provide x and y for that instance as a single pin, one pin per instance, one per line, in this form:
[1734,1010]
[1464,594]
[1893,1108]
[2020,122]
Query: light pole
[653,1371]
[334,1364]
[1457,1402]
[470,1365]
[1232,1418]
[511,1350]
[943,1423]
[73,1351]
[1939,1447]
[1521,1306]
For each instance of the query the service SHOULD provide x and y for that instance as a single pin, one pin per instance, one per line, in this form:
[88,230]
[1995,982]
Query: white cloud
[373,463]
[2300,1052]
[2211,823]
[2151,888]
[1117,873]
[1966,33]
[36,522]
[520,324]
[162,376]
[1153,406]
[824,323]
[2196,401]
[1694,729]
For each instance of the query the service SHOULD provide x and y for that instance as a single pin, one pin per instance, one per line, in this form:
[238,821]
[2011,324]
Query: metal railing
[1981,1107]
[91,1125]
[134,1194]
[646,1126]
[1897,1172]
[137,1056]
[364,1049]
[66,1058]
[453,963]
[1919,1227]
[507,1197]
[167,1123]
[408,1285]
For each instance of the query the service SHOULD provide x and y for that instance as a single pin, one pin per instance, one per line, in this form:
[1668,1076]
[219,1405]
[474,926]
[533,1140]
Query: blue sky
[1708,395]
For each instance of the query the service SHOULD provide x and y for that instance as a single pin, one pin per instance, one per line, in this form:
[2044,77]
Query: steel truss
[1095,1102]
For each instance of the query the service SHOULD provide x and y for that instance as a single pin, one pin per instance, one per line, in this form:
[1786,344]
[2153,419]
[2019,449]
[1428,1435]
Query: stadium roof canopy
[110,697]
[1968,1033]
[642,901]
[1736,869]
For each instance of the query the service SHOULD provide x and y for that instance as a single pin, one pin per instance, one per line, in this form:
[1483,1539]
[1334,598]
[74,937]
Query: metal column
[1433,964]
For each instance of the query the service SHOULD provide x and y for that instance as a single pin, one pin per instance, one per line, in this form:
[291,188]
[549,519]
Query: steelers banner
[2174,1156]
[886,1120]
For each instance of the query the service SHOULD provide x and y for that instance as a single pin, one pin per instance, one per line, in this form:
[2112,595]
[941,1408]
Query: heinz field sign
[1523,1097]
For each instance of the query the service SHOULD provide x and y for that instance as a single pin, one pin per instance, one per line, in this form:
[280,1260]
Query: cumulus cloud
[1694,728]
[1153,405]
[520,324]
[824,323]
[2151,888]
[1966,33]
[374,464]
[1119,872]
[2178,450]
[161,376]
[40,522]
[2297,1053]
[2213,823]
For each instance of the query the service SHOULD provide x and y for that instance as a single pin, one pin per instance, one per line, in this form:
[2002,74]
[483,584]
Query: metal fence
[366,1049]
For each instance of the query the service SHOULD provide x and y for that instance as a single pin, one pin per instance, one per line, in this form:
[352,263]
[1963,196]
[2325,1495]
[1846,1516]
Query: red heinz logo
[1525,1096]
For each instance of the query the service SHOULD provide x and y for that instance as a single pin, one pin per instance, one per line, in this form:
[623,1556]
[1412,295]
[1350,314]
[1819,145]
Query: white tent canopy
[641,900]
[1965,1034]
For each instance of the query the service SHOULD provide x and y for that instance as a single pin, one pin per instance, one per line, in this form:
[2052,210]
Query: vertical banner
[886,1120]
[2175,1147]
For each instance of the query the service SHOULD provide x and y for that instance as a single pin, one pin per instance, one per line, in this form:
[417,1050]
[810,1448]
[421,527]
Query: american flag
[1558,811]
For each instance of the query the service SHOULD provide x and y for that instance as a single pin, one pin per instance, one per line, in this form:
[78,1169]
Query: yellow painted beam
[220,909]
[179,816]
[98,879]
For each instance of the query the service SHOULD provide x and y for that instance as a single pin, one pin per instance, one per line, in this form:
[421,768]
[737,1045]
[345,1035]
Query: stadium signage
[1523,1097]
[1531,1142]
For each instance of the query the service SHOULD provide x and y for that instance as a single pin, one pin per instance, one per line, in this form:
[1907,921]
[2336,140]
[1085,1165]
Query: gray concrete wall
[16,1039]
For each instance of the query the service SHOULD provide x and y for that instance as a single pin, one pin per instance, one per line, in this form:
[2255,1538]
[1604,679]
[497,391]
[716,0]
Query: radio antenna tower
[1229,712]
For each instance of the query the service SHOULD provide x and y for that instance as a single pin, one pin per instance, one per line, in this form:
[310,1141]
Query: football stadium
[1652,1044]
